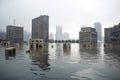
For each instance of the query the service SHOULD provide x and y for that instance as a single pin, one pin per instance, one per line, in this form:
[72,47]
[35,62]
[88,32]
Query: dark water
[60,64]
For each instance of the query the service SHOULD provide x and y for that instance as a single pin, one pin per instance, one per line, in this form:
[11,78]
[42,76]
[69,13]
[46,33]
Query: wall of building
[88,38]
[14,34]
[40,28]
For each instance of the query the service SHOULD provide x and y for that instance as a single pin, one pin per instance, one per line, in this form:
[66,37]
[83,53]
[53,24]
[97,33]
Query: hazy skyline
[70,14]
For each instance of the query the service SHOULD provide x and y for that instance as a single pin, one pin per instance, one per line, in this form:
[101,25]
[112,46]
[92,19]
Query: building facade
[98,27]
[14,34]
[112,36]
[36,44]
[88,38]
[40,28]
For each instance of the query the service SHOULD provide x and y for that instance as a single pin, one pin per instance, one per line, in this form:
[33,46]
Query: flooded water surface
[55,63]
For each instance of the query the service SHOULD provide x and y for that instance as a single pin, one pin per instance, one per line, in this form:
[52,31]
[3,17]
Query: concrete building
[98,27]
[59,33]
[14,34]
[88,38]
[107,38]
[112,36]
[36,44]
[40,28]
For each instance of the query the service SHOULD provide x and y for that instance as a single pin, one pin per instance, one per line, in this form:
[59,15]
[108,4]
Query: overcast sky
[70,14]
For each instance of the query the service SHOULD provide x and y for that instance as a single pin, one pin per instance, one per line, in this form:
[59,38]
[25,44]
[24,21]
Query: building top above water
[87,29]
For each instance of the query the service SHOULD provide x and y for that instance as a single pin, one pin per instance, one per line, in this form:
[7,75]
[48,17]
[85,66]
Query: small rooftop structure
[10,52]
[36,43]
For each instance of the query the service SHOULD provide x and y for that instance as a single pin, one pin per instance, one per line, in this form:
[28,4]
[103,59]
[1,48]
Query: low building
[88,38]
[36,43]
[5,43]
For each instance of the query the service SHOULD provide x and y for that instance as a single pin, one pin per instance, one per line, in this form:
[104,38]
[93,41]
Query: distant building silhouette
[40,28]
[98,27]
[59,34]
[2,35]
[112,36]
[88,38]
[14,34]
[51,36]
[27,36]
[66,36]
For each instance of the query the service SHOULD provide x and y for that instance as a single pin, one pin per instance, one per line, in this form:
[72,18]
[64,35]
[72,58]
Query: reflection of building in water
[89,55]
[66,46]
[59,49]
[40,58]
[112,36]
[67,51]
[88,38]
[10,52]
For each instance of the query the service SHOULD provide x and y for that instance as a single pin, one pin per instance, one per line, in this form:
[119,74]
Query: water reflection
[56,63]
[59,50]
[40,58]
[10,55]
[67,52]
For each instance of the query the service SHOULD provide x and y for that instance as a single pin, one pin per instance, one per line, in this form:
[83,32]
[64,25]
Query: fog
[70,14]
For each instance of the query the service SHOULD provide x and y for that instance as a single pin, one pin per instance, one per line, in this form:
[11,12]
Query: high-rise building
[98,27]
[59,34]
[51,36]
[14,34]
[40,28]
[88,38]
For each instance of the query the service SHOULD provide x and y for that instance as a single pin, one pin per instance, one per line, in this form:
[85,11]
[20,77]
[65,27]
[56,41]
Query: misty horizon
[71,15]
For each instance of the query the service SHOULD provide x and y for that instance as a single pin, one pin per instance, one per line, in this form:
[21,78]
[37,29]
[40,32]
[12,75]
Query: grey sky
[70,14]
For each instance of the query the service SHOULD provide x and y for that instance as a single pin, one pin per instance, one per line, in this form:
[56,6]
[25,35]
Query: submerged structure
[36,43]
[112,37]
[88,38]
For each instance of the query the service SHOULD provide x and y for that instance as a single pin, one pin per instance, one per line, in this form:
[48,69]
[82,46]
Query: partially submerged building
[36,43]
[112,37]
[88,38]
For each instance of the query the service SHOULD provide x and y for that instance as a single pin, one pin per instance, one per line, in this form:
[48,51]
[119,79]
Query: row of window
[36,40]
